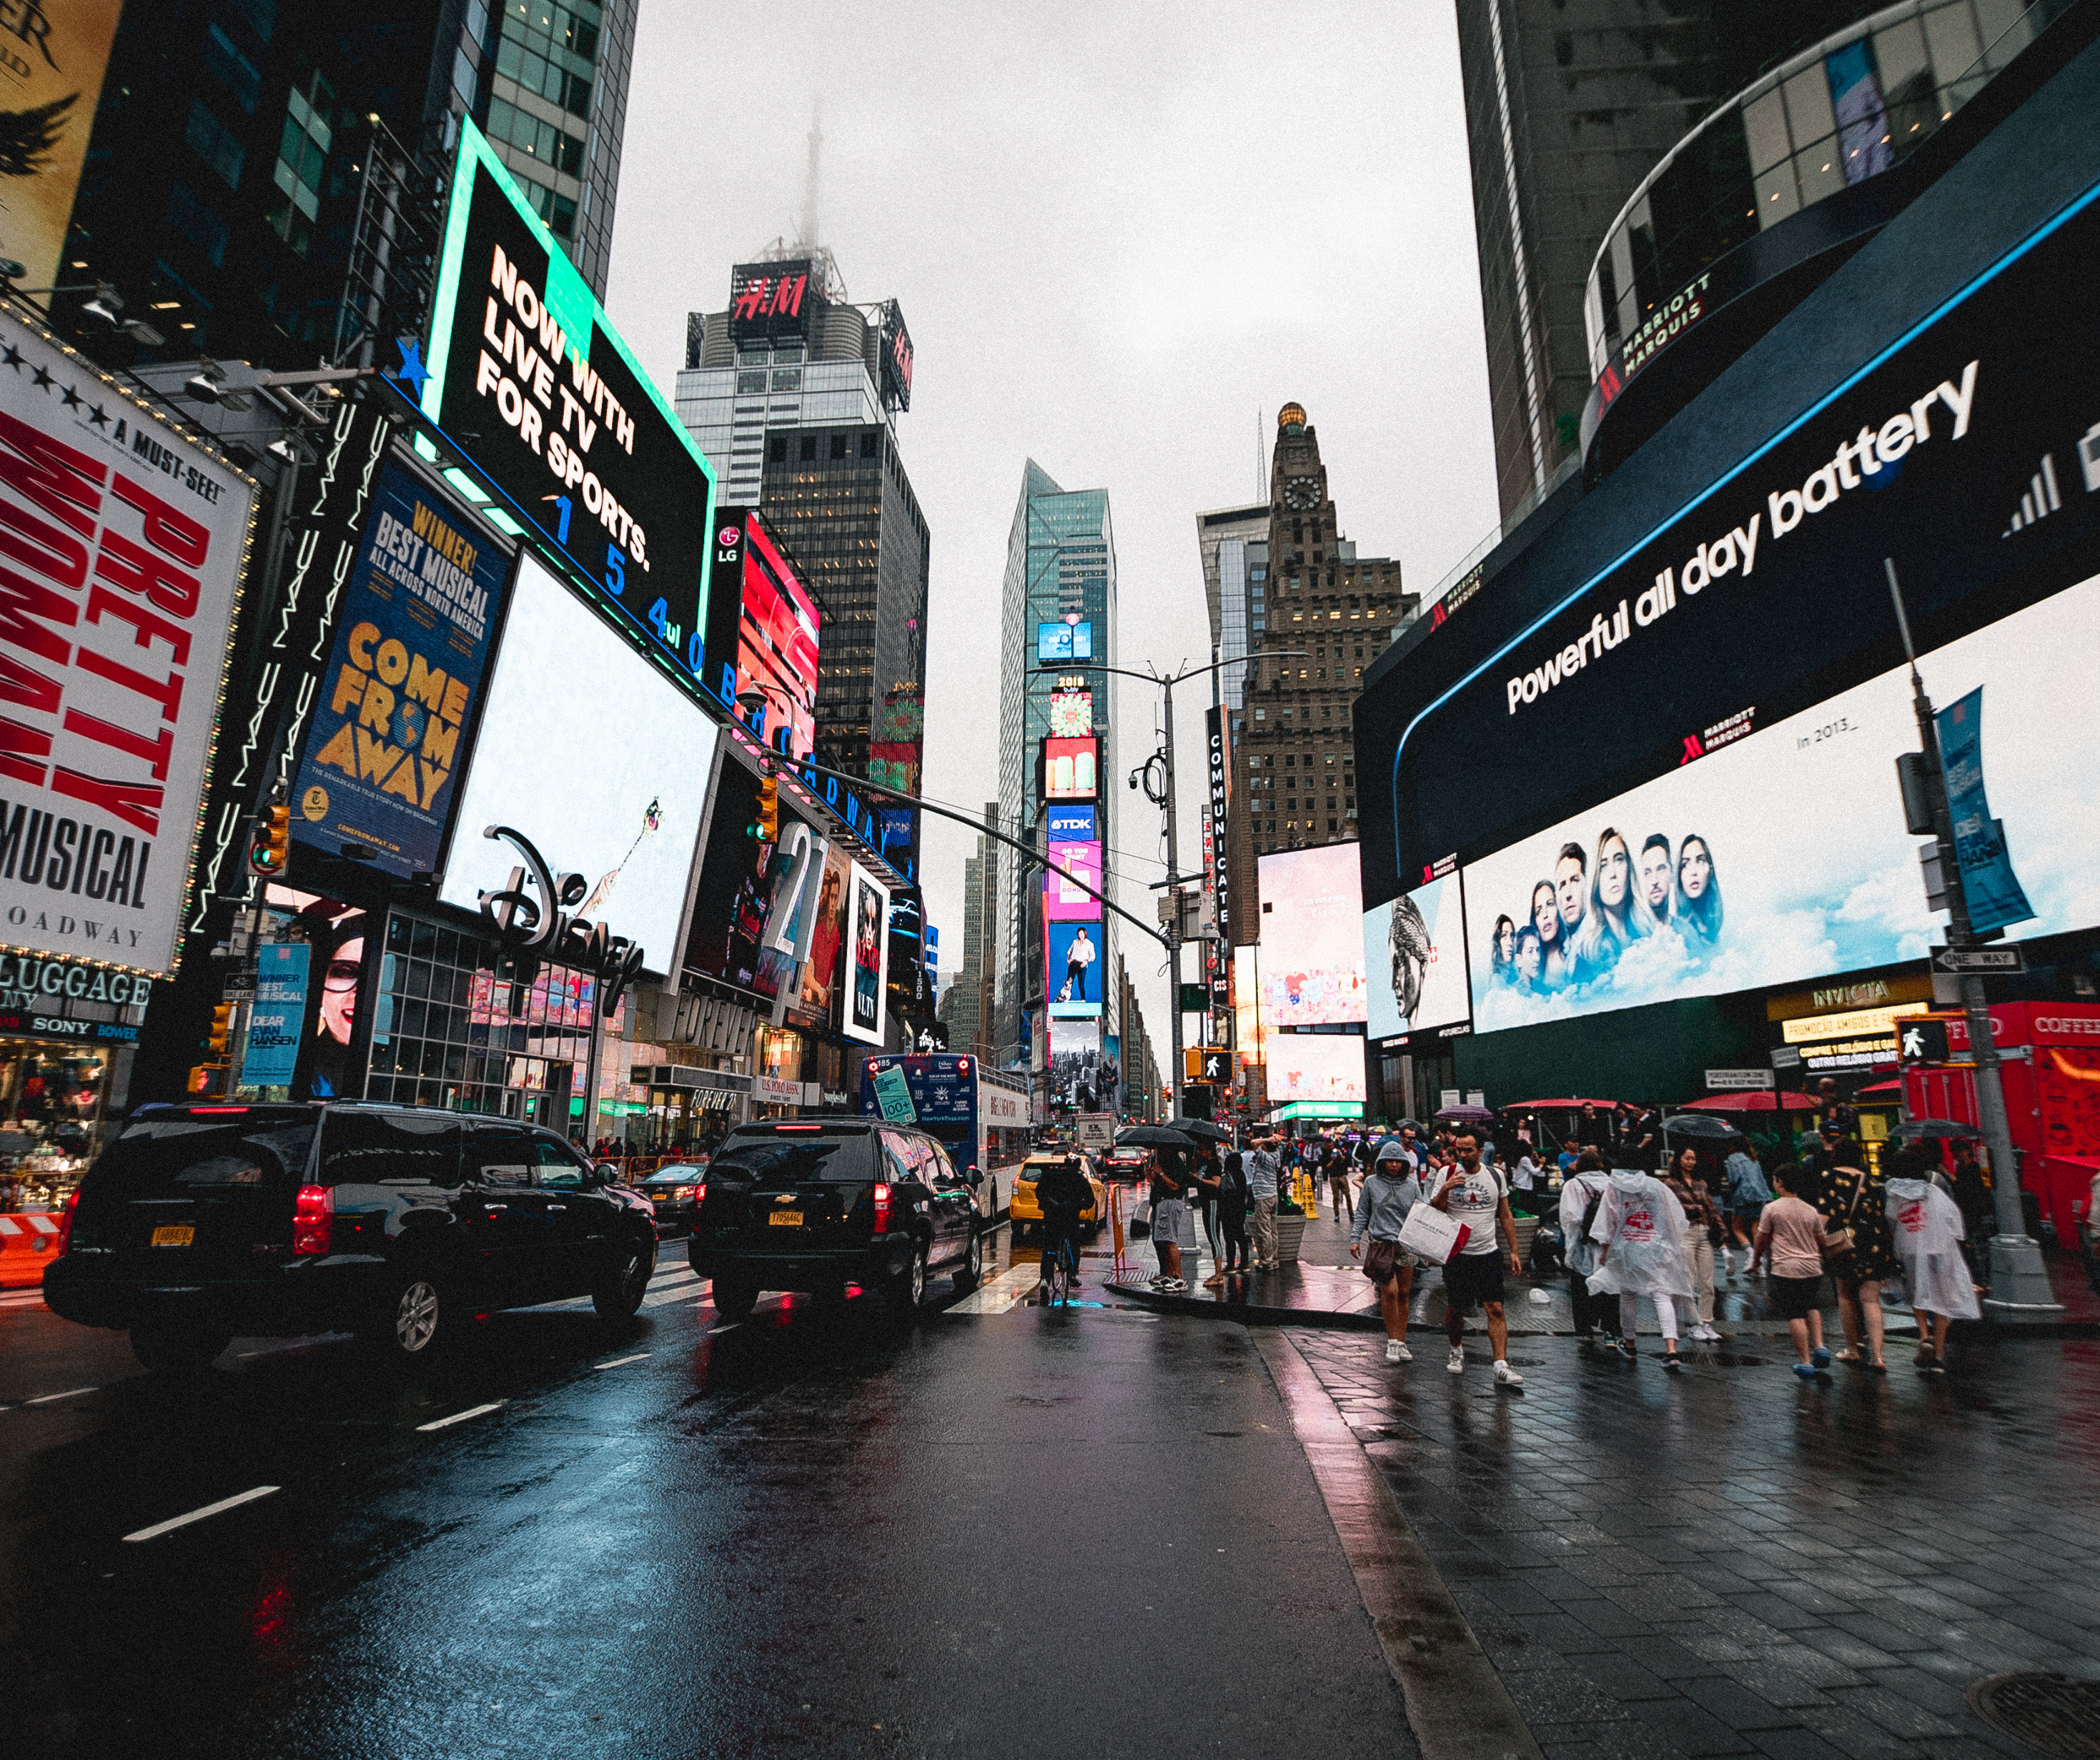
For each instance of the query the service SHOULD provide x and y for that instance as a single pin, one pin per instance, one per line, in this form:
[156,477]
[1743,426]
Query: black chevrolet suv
[199,1224]
[809,1204]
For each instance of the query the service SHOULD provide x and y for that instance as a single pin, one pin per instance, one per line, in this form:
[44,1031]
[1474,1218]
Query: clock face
[1301,493]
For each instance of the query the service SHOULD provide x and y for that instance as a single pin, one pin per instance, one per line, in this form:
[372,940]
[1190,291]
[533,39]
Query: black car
[804,1204]
[674,1192]
[201,1223]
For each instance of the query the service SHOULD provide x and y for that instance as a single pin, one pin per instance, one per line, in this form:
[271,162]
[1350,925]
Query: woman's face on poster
[1614,874]
[346,969]
[1544,915]
[1505,939]
[1655,876]
[1695,869]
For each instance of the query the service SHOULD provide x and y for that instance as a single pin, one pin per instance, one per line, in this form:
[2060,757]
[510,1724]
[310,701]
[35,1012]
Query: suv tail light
[65,1223]
[699,1194]
[881,1209]
[313,1219]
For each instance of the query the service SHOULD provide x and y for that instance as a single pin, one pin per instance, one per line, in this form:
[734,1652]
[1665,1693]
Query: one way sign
[1978,959]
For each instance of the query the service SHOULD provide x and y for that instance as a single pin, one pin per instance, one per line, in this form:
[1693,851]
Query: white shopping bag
[1432,1235]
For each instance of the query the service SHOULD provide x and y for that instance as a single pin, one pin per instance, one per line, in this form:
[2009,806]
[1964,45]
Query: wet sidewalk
[1326,1287]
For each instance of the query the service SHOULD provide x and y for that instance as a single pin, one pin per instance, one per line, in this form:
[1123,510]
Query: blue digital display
[1058,642]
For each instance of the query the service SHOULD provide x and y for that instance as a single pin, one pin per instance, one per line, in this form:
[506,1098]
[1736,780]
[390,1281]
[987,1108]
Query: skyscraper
[793,393]
[1060,589]
[232,157]
[1565,113]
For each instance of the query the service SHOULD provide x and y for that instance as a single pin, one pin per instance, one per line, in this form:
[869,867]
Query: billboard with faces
[868,956]
[1414,960]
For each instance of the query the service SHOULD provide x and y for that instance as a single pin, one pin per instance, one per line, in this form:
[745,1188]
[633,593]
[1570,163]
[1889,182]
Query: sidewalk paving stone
[1728,1562]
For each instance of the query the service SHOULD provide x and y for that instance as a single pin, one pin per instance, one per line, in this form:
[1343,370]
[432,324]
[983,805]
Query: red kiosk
[2051,1066]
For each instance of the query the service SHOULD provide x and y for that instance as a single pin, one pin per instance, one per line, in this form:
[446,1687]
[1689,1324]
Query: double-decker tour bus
[980,1113]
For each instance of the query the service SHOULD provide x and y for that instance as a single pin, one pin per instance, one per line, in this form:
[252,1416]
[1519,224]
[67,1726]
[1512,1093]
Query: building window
[232,69]
[838,446]
[303,151]
[748,381]
[776,449]
[191,217]
[213,145]
[870,444]
[809,449]
[537,139]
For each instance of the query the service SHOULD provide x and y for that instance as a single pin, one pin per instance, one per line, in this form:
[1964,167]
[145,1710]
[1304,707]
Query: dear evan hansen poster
[411,642]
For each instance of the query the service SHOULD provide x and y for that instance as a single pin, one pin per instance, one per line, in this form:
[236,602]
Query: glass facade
[1854,107]
[459,1024]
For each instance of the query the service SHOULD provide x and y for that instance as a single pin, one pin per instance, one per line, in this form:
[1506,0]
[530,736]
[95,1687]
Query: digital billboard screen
[1312,938]
[1589,665]
[1069,769]
[414,622]
[740,890]
[868,956]
[1063,902]
[1071,714]
[1072,825]
[1678,888]
[597,757]
[772,302]
[1415,960]
[1327,1067]
[1073,970]
[1057,642]
[763,634]
[529,380]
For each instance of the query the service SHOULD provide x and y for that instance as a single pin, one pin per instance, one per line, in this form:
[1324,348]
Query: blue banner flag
[1987,880]
[279,1015]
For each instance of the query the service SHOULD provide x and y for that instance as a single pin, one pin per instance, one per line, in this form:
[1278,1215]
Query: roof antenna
[812,179]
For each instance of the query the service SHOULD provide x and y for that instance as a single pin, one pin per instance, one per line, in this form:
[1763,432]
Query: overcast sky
[1123,236]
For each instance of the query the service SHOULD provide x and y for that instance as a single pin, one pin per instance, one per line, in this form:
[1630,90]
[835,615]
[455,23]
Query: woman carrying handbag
[1857,1250]
[1391,1190]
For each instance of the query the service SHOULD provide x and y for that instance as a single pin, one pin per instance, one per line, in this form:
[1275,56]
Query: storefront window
[51,1116]
[460,1023]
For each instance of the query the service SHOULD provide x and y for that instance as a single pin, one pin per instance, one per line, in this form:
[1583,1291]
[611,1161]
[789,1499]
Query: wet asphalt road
[1068,1532]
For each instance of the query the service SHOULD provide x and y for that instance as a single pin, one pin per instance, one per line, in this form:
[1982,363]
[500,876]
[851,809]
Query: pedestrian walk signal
[1923,1040]
[270,845]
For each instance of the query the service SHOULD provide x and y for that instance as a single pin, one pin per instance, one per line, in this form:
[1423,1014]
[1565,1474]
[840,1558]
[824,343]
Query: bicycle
[1060,1270]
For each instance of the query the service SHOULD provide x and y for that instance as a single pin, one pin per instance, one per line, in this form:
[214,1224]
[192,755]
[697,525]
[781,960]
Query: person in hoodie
[1927,1226]
[1639,1230]
[1391,1190]
[1581,1192]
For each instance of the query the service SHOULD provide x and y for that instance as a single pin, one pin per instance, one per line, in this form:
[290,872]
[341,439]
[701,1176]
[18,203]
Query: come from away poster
[411,642]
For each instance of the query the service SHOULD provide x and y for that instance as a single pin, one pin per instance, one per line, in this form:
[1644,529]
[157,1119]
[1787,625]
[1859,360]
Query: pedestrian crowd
[1635,1223]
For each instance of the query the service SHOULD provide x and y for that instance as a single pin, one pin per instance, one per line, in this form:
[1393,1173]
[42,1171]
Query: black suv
[808,1205]
[201,1223]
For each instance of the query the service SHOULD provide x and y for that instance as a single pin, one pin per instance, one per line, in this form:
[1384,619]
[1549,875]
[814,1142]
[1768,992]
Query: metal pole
[2020,1281]
[1174,923]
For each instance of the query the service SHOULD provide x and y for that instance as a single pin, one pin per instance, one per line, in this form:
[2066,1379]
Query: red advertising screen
[1069,767]
[762,634]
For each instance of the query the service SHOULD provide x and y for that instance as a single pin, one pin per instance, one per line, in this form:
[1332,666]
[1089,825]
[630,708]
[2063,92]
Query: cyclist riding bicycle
[1063,1194]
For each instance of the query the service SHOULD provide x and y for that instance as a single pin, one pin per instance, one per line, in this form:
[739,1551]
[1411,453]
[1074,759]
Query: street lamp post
[2020,1281]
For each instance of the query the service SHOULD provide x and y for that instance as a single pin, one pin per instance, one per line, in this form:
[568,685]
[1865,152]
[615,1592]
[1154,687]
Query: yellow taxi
[1026,1215]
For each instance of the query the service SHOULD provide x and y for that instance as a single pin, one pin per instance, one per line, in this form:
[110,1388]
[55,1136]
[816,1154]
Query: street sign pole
[2020,1281]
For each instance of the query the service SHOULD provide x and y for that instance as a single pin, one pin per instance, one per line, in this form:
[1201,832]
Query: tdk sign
[1072,825]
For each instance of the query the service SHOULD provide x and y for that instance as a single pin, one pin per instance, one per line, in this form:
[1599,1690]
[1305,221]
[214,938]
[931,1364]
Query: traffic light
[270,844]
[206,1079]
[766,828]
[222,1029]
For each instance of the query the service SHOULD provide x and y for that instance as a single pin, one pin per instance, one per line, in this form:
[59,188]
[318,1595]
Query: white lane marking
[617,1360]
[1002,1292]
[461,1417]
[46,1399]
[158,1529]
[716,1331]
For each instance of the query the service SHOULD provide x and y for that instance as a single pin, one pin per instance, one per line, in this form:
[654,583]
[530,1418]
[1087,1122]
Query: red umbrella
[1548,1106]
[1760,1101]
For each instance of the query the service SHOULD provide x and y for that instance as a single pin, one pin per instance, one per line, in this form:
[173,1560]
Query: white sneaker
[1505,1376]
[1392,1350]
[1457,1362]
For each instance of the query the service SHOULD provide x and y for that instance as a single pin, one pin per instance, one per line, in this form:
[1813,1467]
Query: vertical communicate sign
[1218,732]
[124,546]
[413,628]
[1992,888]
[52,58]
[530,379]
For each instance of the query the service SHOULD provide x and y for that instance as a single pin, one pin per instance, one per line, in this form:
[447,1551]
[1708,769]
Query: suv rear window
[156,1154]
[362,1148]
[763,1159]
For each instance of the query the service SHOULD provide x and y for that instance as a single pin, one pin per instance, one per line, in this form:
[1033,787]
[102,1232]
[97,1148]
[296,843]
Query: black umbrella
[1153,1136]
[1201,1128]
[1466,1115]
[1940,1126]
[1697,1125]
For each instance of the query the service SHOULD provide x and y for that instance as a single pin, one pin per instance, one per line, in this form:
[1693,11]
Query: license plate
[786,1219]
[180,1234]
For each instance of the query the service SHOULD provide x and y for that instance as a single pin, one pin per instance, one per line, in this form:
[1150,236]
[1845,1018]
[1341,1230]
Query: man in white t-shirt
[1475,1195]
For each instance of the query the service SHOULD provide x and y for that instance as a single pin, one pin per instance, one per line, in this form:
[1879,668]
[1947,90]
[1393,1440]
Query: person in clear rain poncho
[1927,1227]
[1640,1231]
